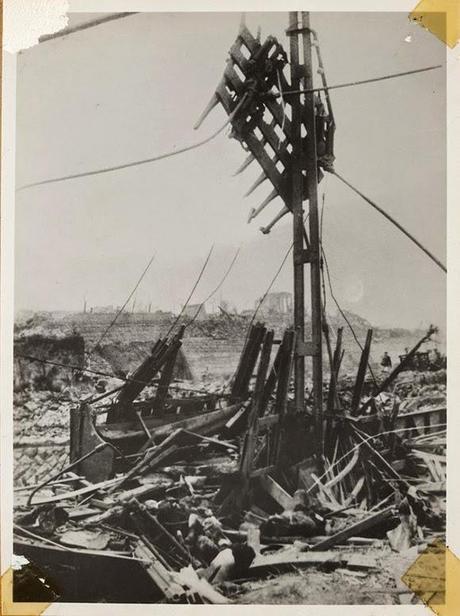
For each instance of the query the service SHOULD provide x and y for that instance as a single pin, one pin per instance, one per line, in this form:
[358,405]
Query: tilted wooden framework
[255,71]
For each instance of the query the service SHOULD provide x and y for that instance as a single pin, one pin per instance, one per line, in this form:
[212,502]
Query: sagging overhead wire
[73,368]
[81,369]
[198,144]
[392,220]
[272,282]
[177,319]
[261,301]
[350,84]
[143,161]
[114,320]
[214,291]
[344,316]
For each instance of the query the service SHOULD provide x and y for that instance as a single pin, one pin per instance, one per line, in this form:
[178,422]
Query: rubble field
[211,490]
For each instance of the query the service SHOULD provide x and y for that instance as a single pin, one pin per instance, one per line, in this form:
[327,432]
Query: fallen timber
[174,504]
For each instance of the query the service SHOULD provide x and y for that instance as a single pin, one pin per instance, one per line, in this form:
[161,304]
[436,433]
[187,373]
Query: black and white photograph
[229,350]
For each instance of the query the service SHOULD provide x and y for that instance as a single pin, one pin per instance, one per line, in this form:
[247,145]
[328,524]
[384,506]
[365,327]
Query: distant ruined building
[278,303]
[194,309]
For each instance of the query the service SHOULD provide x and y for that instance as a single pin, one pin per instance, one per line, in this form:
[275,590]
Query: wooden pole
[314,250]
[297,210]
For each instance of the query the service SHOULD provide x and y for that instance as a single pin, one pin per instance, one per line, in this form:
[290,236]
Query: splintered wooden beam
[282,391]
[167,372]
[256,211]
[336,361]
[248,359]
[355,529]
[267,228]
[247,457]
[252,360]
[141,377]
[270,384]
[204,423]
[360,377]
[399,368]
[278,493]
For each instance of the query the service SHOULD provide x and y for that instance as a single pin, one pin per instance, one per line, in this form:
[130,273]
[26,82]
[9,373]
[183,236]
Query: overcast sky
[133,88]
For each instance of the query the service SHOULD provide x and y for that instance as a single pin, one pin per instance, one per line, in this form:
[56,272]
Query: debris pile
[195,495]
[41,433]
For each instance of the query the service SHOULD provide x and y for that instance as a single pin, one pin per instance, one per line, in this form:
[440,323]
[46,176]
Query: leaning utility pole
[255,94]
[302,78]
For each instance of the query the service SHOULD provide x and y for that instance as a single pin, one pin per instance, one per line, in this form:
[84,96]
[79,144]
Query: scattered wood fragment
[355,529]
[103,485]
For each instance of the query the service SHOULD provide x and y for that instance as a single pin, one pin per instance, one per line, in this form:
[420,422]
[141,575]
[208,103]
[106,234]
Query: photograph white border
[7,296]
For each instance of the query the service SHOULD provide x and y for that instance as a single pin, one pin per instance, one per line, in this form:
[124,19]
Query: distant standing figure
[386,362]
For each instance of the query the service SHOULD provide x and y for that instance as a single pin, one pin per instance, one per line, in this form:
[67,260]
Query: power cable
[360,82]
[392,220]
[323,205]
[257,308]
[100,373]
[272,282]
[76,368]
[142,161]
[345,318]
[176,321]
[84,26]
[216,289]
[114,320]
[323,283]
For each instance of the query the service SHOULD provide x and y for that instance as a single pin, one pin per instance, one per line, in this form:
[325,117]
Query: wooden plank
[345,470]
[290,558]
[354,529]
[336,360]
[360,377]
[86,490]
[273,106]
[213,441]
[199,586]
[278,180]
[278,493]
[259,472]
[252,360]
[167,372]
[162,577]
[243,368]
[143,374]
[247,457]
[203,423]
[255,146]
[273,376]
[270,135]
[282,391]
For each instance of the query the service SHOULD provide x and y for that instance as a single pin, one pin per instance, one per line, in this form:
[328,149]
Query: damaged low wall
[67,350]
